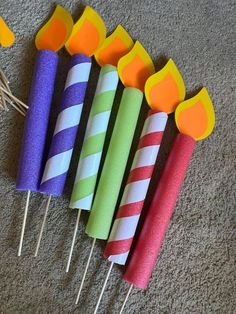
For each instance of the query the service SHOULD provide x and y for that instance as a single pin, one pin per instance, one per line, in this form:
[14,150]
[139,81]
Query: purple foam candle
[36,122]
[68,120]
[82,44]
[48,42]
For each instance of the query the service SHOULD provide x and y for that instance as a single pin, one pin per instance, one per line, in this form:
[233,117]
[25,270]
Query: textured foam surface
[195,269]
[66,128]
[36,123]
[103,208]
[145,252]
[134,194]
[95,135]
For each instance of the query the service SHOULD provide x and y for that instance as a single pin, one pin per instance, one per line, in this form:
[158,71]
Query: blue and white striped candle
[58,162]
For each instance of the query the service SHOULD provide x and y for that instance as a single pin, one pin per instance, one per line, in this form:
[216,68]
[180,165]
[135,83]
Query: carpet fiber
[195,272]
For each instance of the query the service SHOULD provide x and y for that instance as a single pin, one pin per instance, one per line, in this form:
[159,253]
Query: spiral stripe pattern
[125,224]
[67,123]
[88,166]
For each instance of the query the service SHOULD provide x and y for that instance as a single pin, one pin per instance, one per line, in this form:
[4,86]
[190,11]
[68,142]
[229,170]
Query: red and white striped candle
[125,224]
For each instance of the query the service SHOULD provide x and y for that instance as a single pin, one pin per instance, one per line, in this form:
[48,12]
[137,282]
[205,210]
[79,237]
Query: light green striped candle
[90,157]
[100,218]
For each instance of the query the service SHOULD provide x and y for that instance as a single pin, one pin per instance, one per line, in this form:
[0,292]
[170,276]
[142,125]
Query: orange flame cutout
[88,34]
[7,37]
[195,116]
[165,89]
[114,47]
[135,67]
[56,31]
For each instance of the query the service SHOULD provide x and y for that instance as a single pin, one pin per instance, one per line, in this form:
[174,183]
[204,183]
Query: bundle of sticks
[7,98]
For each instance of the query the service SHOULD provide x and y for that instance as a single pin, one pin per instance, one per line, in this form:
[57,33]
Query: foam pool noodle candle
[50,38]
[114,47]
[134,69]
[164,90]
[87,36]
[195,120]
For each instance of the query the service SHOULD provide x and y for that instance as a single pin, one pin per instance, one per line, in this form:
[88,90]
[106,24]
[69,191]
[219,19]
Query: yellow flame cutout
[88,34]
[135,67]
[195,116]
[165,89]
[56,31]
[7,37]
[114,47]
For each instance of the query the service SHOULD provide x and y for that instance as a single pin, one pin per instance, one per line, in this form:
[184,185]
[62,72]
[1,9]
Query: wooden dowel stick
[125,300]
[24,223]
[43,224]
[13,97]
[103,288]
[85,271]
[73,240]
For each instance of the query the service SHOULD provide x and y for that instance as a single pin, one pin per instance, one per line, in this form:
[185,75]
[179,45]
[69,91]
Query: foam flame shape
[165,89]
[114,47]
[88,34]
[56,31]
[135,67]
[7,37]
[195,116]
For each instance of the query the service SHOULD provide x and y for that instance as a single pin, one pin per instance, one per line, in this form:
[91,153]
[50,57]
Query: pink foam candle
[164,90]
[195,121]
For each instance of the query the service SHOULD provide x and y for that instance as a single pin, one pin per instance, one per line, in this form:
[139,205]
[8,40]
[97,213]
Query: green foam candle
[134,69]
[113,170]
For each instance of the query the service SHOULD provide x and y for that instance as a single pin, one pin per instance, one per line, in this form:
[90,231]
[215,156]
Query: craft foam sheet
[90,157]
[125,224]
[7,37]
[66,128]
[115,163]
[147,248]
[36,122]
[55,33]
[88,34]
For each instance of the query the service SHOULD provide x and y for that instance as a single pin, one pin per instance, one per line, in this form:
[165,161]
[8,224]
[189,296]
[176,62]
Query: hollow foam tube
[103,208]
[63,140]
[148,245]
[127,217]
[91,152]
[36,122]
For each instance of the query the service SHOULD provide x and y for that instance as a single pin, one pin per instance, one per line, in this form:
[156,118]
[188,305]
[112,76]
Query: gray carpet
[195,272]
